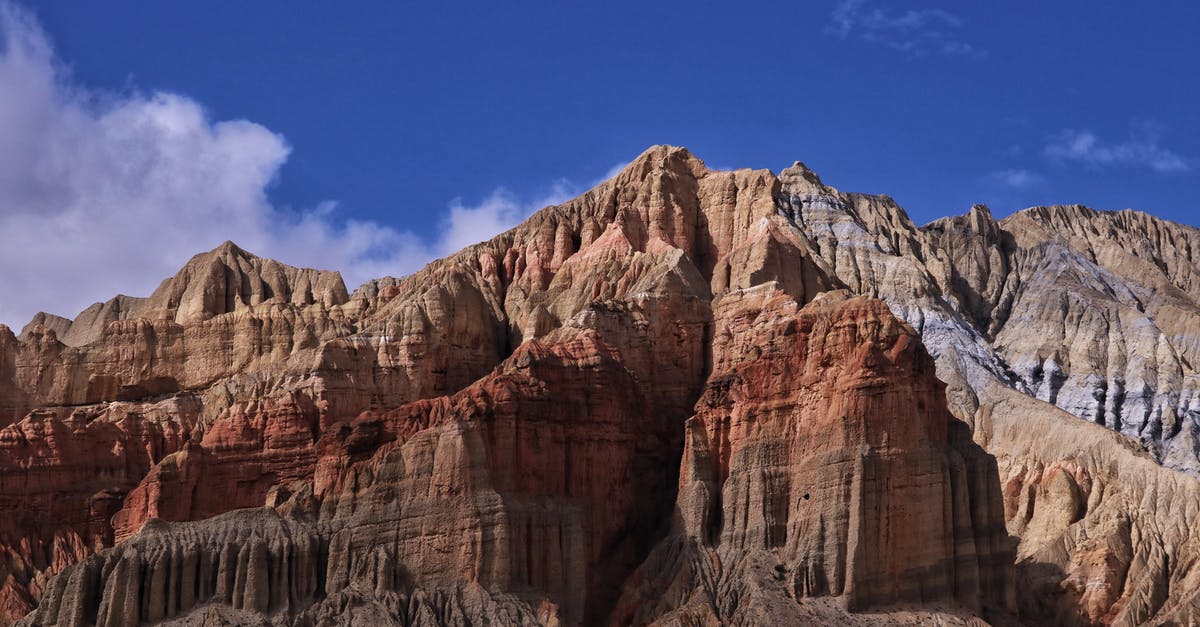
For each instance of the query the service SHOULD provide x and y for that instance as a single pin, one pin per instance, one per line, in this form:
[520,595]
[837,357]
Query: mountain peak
[228,278]
[225,279]
[225,250]
[661,157]
[229,248]
[800,177]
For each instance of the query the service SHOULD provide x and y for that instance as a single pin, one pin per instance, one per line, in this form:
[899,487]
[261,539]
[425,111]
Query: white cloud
[914,31]
[106,192]
[1016,178]
[500,211]
[1141,149]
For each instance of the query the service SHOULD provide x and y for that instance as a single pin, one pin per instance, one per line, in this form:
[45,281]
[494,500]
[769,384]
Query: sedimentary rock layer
[822,454]
[623,410]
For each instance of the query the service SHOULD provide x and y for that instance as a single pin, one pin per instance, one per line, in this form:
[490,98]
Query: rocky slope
[685,397]
[822,461]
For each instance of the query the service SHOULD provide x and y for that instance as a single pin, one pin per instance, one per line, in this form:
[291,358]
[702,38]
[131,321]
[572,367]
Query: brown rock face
[139,390]
[1052,306]
[552,474]
[62,477]
[653,403]
[822,461]
[224,280]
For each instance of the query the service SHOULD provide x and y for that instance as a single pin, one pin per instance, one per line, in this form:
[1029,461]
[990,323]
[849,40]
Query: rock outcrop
[685,397]
[1107,535]
[224,280]
[226,315]
[553,477]
[822,461]
[1052,306]
[140,390]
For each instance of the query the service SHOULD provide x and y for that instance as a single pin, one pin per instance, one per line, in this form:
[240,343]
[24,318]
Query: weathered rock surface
[63,474]
[822,454]
[622,410]
[224,280]
[1003,306]
[550,477]
[1094,312]
[107,412]
[226,315]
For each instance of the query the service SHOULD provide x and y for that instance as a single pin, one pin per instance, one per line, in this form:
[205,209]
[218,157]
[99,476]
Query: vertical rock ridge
[853,482]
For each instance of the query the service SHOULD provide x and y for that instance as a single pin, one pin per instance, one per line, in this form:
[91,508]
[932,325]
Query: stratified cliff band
[686,397]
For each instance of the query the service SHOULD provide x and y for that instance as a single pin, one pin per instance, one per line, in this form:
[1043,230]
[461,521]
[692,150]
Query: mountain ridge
[231,248]
[670,291]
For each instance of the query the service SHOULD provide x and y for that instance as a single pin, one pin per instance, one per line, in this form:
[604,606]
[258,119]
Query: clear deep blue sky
[395,108]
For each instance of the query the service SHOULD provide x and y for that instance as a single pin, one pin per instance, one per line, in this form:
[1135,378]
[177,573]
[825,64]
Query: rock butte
[687,397]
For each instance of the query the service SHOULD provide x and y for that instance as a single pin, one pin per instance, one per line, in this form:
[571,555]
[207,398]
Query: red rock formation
[552,474]
[143,387]
[822,461]
[249,449]
[612,412]
[62,477]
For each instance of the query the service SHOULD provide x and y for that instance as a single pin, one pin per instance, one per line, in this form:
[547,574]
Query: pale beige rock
[1094,312]
[1075,302]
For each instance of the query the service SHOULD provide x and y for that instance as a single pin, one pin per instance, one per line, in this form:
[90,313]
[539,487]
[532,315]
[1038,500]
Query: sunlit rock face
[1094,312]
[685,397]
[822,461]
[1041,323]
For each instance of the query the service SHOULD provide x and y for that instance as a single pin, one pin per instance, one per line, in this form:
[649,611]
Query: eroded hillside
[687,396]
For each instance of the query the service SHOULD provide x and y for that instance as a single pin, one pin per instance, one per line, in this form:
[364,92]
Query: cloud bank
[105,192]
[1141,149]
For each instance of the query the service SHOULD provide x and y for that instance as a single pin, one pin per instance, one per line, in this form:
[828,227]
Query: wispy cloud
[466,224]
[1140,149]
[1015,178]
[914,31]
[499,211]
[105,192]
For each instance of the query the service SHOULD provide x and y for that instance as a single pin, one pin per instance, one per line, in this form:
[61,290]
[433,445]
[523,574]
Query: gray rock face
[1097,313]
[1053,310]
[255,567]
[249,560]
[875,250]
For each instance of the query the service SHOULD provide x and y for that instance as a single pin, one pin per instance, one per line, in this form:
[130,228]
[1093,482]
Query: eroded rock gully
[685,397]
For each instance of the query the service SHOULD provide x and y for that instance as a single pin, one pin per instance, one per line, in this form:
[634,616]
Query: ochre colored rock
[822,454]
[649,403]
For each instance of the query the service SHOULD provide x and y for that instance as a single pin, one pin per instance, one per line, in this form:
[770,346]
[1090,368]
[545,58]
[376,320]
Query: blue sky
[384,134]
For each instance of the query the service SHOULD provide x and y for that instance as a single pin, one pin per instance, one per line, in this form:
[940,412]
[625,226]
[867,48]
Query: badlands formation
[687,397]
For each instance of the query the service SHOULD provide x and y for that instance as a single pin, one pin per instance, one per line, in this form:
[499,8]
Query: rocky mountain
[687,397]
